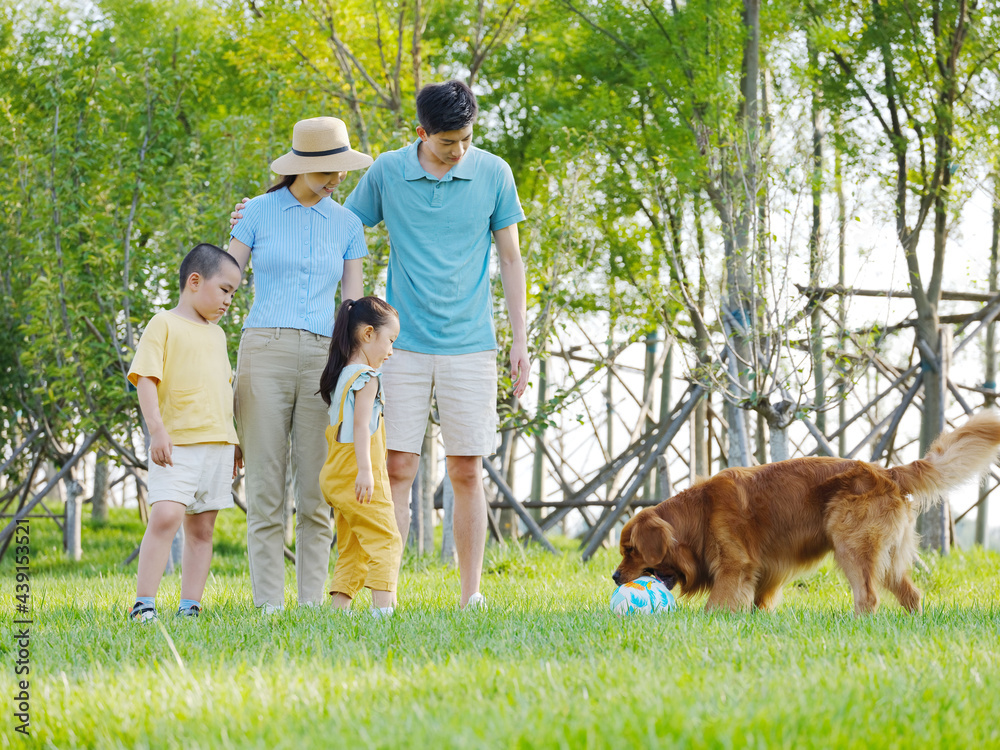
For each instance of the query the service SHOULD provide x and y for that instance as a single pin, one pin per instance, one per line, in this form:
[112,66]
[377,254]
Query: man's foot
[193,611]
[142,613]
[476,602]
[271,609]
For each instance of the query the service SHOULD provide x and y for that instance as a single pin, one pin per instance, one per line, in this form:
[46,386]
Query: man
[441,199]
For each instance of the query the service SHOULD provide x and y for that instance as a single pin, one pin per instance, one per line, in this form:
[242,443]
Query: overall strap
[347,390]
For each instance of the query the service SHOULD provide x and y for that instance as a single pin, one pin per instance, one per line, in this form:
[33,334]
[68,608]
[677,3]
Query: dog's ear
[652,537]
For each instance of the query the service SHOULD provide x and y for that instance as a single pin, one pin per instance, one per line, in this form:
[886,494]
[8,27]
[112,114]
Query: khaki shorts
[465,386]
[201,477]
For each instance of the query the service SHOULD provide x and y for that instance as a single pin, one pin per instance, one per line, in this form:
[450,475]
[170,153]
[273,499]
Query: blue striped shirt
[298,257]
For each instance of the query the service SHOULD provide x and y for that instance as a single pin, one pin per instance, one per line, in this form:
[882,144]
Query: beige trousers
[277,375]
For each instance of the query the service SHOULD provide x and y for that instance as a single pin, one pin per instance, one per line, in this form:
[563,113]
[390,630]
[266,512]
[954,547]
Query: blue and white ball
[645,594]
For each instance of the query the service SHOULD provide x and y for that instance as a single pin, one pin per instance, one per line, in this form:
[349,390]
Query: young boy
[182,372]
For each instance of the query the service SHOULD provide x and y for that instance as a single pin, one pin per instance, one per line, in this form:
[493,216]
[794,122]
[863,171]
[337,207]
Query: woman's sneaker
[142,613]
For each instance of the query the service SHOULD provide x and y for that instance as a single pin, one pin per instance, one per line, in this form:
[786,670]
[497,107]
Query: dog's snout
[616,576]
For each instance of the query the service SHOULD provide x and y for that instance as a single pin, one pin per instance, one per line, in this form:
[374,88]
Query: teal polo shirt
[439,244]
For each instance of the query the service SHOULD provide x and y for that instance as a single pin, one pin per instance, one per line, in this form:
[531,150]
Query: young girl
[354,478]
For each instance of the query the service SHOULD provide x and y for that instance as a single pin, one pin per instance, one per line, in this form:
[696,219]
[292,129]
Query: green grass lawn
[547,666]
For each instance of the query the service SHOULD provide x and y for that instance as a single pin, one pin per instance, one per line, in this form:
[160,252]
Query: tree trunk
[99,500]
[647,383]
[508,520]
[815,237]
[666,383]
[448,553]
[428,485]
[72,527]
[288,506]
[982,525]
[934,525]
[538,460]
[779,443]
[838,176]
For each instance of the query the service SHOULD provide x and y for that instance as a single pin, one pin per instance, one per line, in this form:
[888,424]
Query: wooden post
[72,526]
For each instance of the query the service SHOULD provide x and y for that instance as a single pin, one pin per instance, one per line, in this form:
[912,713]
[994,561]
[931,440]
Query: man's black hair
[204,260]
[446,106]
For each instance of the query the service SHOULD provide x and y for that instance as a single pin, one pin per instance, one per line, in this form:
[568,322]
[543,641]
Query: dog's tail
[953,459]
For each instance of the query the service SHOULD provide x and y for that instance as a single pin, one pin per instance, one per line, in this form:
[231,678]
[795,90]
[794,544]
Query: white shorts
[201,477]
[465,386]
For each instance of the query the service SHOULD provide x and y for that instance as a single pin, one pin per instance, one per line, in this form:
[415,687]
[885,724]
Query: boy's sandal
[193,611]
[142,613]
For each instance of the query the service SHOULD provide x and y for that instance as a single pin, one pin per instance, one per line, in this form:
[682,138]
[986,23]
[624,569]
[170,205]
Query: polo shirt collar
[286,200]
[412,170]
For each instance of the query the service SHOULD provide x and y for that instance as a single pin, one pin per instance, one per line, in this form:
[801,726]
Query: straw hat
[320,144]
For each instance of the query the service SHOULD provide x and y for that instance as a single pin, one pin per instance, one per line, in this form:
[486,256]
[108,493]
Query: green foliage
[129,129]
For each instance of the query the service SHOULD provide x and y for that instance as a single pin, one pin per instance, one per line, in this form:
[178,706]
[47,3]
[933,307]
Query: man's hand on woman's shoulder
[237,213]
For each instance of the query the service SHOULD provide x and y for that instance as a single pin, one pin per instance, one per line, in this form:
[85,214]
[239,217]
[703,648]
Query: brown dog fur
[746,532]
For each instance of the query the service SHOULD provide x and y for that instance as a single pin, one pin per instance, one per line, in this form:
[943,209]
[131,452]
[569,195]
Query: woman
[302,244]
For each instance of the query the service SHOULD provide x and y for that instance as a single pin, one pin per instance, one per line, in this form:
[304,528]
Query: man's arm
[515,294]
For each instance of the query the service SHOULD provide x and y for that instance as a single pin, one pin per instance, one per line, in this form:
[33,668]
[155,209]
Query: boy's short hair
[446,106]
[204,260]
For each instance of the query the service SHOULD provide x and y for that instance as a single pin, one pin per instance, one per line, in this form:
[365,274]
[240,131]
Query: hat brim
[292,163]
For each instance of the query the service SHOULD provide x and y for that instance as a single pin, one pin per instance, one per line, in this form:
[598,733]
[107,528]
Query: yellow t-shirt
[194,387]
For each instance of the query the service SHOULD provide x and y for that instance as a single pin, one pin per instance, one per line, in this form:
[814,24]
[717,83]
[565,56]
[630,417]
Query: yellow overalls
[369,546]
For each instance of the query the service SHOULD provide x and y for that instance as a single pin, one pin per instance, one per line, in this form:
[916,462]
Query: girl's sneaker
[142,613]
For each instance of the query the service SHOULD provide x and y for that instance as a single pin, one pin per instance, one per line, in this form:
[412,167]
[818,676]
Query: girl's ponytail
[341,343]
[352,315]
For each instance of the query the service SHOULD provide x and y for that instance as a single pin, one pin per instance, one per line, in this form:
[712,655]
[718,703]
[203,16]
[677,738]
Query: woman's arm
[239,251]
[364,402]
[352,284]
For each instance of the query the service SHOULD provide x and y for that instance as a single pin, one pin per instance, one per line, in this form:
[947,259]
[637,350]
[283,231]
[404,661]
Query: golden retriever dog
[746,532]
